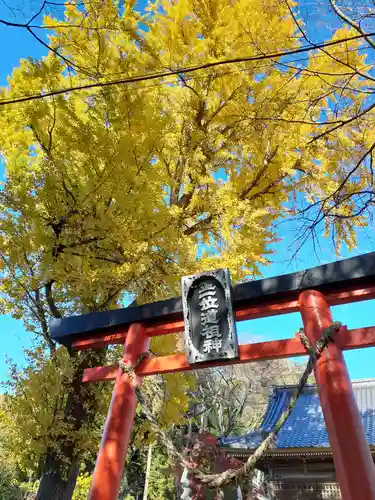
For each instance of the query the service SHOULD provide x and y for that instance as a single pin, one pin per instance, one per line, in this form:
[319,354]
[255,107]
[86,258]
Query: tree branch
[50,300]
[269,157]
[351,22]
[29,27]
[344,122]
[355,70]
[198,226]
[43,322]
[37,14]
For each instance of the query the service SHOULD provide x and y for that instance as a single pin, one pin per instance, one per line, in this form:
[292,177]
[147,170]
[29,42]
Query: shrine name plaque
[210,328]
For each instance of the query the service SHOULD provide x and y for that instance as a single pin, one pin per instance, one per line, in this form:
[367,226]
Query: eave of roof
[305,427]
[289,453]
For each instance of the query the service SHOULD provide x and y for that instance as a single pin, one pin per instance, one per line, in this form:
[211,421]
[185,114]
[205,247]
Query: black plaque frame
[229,341]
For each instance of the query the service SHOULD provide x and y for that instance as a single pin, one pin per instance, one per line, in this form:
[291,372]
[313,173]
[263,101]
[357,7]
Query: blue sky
[16,44]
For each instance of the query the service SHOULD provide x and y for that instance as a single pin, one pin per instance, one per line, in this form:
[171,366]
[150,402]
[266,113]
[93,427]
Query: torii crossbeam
[310,292]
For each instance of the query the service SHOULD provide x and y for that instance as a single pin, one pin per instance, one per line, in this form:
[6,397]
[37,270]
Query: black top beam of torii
[334,276]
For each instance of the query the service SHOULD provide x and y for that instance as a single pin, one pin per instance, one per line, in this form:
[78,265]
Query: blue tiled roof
[305,427]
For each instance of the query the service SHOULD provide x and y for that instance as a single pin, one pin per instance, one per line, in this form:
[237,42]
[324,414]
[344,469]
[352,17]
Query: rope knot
[130,370]
[327,336]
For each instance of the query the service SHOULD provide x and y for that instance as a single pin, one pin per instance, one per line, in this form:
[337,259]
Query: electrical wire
[189,78]
[181,71]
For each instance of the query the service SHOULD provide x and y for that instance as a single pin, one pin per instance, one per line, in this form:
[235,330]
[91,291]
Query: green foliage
[32,413]
[9,483]
[82,487]
[14,482]
[133,479]
[161,483]
[29,489]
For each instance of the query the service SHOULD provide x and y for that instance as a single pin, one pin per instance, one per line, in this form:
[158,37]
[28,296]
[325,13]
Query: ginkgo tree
[114,192]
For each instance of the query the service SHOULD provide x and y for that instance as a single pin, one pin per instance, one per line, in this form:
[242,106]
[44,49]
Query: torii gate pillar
[351,453]
[110,463]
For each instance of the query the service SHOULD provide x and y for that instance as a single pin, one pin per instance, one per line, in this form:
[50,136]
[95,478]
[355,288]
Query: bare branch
[344,122]
[356,166]
[37,14]
[29,27]
[351,22]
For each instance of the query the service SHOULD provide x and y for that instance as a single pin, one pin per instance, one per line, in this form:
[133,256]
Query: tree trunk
[53,486]
[62,462]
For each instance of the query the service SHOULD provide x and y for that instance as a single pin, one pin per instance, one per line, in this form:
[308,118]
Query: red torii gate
[311,292]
